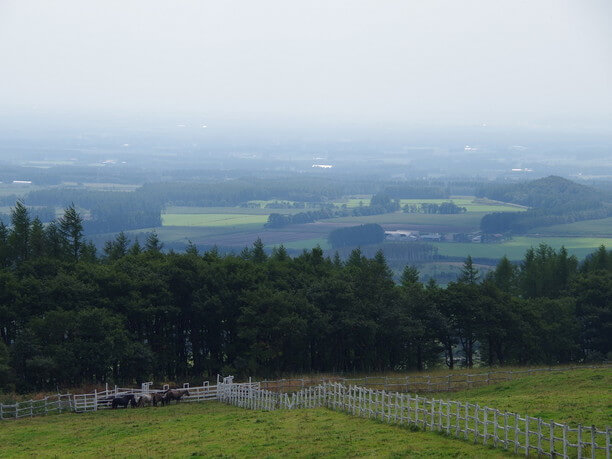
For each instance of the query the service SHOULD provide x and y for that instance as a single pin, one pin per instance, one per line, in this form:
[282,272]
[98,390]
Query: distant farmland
[516,247]
[212,219]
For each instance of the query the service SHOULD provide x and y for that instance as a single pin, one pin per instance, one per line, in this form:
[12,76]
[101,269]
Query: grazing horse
[124,400]
[174,394]
[144,400]
[157,398]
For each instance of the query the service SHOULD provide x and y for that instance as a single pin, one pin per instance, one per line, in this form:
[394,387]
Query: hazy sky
[467,62]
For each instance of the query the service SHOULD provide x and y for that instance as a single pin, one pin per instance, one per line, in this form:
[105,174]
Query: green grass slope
[215,430]
[574,397]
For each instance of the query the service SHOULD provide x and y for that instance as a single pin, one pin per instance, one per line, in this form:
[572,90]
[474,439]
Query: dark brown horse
[157,398]
[174,394]
[124,401]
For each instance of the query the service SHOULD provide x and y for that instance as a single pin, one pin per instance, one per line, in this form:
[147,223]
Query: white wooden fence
[479,424]
[97,400]
[48,405]
[422,383]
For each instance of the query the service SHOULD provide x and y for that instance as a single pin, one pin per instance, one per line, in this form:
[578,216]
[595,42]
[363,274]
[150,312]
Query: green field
[458,222]
[599,227]
[516,247]
[211,429]
[227,210]
[308,244]
[213,219]
[573,397]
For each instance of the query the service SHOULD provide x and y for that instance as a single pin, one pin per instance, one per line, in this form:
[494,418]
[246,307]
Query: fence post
[579,441]
[95,399]
[564,440]
[486,427]
[593,443]
[516,434]
[526,435]
[476,423]
[607,443]
[433,407]
[552,439]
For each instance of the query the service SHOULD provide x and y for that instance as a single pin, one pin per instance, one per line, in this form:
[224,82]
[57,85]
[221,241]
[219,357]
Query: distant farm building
[401,235]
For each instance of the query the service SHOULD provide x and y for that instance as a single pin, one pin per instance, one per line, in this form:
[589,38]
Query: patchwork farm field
[212,429]
[241,226]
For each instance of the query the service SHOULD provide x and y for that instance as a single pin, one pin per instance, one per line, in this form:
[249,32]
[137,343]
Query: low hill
[552,201]
[551,192]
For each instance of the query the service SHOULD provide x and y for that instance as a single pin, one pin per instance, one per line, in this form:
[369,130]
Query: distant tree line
[379,204]
[552,200]
[108,211]
[114,211]
[357,235]
[70,316]
[433,208]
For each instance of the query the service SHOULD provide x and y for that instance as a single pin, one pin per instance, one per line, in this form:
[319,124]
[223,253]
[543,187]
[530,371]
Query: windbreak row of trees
[70,316]
[433,208]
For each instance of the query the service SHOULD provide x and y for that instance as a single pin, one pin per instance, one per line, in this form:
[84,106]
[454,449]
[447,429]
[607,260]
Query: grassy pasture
[212,429]
[599,227]
[307,244]
[228,210]
[458,222]
[575,397]
[515,248]
[212,219]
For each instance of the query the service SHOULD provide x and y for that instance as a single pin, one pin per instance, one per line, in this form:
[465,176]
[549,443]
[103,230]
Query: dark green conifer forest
[72,316]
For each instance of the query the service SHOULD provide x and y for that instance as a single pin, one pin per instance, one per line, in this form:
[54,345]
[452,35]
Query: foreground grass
[574,397]
[215,430]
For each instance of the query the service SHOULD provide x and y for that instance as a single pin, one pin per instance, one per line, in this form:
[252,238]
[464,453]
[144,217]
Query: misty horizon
[535,66]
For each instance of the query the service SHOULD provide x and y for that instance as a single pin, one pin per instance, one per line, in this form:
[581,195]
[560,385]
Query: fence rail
[520,434]
[97,400]
[421,383]
[48,405]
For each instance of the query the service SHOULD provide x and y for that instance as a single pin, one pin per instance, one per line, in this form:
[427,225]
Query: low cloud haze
[535,64]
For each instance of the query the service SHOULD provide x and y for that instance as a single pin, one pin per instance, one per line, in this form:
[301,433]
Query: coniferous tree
[258,254]
[153,244]
[19,236]
[114,250]
[71,228]
[5,250]
[54,242]
[37,238]
[469,274]
[505,275]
